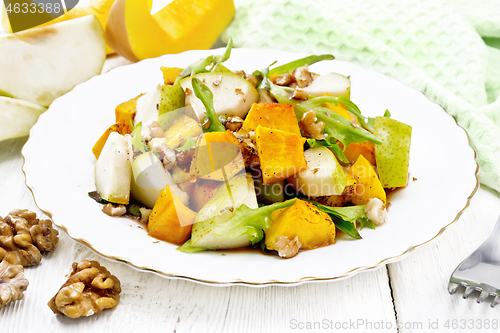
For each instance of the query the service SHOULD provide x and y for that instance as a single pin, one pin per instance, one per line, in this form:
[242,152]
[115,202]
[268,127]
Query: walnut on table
[12,282]
[23,237]
[90,289]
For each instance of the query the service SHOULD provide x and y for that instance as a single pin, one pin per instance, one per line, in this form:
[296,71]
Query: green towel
[435,46]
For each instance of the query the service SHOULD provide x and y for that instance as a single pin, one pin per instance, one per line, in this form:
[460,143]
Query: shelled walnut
[12,282]
[23,237]
[90,289]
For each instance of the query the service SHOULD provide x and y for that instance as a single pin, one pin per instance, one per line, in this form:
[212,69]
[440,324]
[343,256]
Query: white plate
[59,168]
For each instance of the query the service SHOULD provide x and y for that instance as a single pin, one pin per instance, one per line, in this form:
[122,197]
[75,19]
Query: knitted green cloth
[434,46]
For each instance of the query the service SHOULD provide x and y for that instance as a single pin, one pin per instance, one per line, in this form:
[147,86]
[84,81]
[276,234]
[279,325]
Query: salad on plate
[280,160]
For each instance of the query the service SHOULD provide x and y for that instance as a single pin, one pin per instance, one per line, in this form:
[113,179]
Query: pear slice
[324,174]
[41,64]
[393,155]
[17,117]
[332,84]
[112,170]
[233,95]
[238,191]
[149,178]
[148,106]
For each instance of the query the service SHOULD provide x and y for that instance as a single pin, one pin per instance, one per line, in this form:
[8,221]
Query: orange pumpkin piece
[281,154]
[273,116]
[170,220]
[304,220]
[217,151]
[368,185]
[367,149]
[121,127]
[126,111]
[170,74]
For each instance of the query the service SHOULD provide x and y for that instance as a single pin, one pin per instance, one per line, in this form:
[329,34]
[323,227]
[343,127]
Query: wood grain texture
[420,282]
[153,303]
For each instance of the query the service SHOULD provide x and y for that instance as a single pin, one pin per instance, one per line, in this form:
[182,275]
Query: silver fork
[480,271]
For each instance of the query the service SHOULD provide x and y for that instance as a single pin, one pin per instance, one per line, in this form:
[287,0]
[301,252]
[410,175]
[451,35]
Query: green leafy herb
[351,107]
[329,143]
[206,97]
[138,141]
[200,66]
[387,114]
[248,221]
[289,67]
[262,76]
[134,209]
[225,56]
[190,143]
[188,248]
[345,218]
[336,126]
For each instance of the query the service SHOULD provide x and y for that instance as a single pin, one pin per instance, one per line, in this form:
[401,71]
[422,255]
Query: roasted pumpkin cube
[218,157]
[183,126]
[170,74]
[170,220]
[126,111]
[121,127]
[273,116]
[313,227]
[281,154]
[368,185]
[367,149]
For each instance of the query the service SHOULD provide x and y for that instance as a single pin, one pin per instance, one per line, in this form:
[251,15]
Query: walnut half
[286,247]
[12,283]
[310,127]
[23,237]
[90,289]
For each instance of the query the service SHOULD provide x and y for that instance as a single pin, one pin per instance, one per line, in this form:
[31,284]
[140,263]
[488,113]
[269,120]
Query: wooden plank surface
[156,303]
[420,282]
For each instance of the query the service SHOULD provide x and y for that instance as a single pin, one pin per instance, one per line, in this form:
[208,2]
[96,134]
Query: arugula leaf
[220,59]
[138,141]
[336,126]
[351,107]
[347,227]
[190,143]
[289,67]
[262,76]
[200,66]
[345,218]
[329,144]
[196,67]
[250,222]
[206,97]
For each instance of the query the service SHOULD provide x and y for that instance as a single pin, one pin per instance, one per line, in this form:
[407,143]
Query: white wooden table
[408,296]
